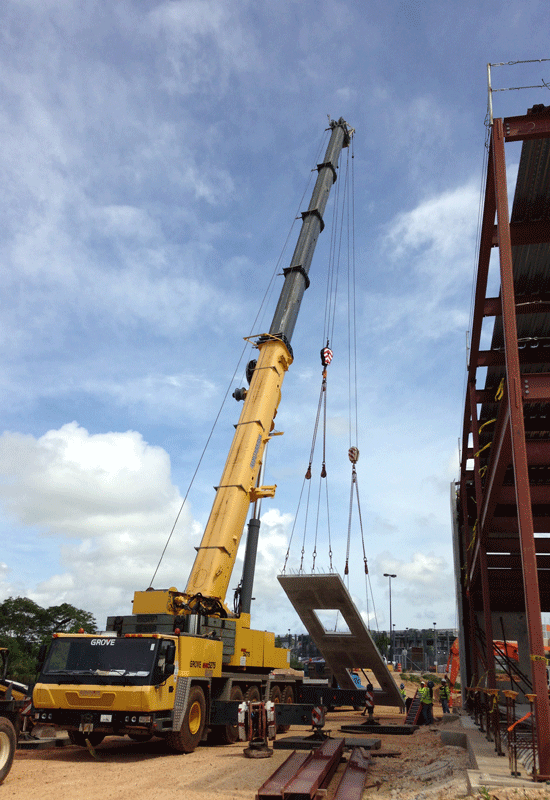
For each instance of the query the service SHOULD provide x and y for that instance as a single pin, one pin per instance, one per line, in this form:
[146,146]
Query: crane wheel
[188,737]
[8,743]
[276,696]
[227,734]
[253,694]
[287,698]
[79,738]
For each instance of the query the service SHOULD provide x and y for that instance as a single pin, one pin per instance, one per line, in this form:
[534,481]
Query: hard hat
[443,680]
[402,686]
[422,683]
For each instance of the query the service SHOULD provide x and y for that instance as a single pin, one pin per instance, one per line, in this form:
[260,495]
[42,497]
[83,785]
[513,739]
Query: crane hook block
[353,455]
[326,356]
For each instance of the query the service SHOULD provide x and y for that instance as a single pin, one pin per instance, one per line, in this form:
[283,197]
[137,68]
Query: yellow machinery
[179,665]
[14,703]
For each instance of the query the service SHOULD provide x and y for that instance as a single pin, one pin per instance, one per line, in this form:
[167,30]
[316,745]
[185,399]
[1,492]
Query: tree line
[24,626]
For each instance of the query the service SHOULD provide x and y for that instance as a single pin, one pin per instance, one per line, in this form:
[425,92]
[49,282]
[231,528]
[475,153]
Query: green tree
[382,643]
[24,626]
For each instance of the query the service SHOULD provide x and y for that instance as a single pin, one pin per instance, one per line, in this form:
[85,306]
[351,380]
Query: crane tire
[288,697]
[227,734]
[253,694]
[190,734]
[8,743]
[276,696]
[79,738]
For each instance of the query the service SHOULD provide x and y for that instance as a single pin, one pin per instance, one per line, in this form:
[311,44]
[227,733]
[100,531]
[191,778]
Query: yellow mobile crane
[178,665]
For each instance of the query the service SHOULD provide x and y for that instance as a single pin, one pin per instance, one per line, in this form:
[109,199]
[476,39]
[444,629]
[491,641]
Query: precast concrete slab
[342,650]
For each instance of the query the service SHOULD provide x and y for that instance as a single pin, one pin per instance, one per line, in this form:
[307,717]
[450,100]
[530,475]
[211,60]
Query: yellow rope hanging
[482,449]
[487,423]
[474,532]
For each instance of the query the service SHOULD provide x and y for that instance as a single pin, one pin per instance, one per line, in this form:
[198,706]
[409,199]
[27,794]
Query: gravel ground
[425,769]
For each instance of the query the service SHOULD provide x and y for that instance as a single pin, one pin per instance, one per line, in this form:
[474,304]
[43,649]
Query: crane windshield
[100,660]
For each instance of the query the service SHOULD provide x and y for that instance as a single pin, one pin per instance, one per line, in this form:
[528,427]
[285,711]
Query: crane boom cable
[341,227]
[352,338]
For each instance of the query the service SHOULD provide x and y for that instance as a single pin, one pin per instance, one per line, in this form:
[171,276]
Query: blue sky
[153,158]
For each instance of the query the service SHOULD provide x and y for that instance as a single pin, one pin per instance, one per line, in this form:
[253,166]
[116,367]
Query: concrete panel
[353,649]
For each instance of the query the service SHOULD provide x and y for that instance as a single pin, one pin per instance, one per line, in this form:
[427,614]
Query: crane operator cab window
[128,661]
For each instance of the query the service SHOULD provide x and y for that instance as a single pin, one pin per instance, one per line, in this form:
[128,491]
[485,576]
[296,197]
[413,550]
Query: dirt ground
[422,769]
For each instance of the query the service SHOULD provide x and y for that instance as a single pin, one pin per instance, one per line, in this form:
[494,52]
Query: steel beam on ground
[316,772]
[354,777]
[274,786]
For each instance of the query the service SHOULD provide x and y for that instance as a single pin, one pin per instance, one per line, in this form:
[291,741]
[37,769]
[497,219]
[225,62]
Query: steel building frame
[503,497]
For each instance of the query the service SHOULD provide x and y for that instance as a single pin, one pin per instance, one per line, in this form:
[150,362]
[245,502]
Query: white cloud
[110,501]
[72,483]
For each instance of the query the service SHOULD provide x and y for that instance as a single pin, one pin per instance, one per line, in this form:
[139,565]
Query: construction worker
[427,699]
[403,693]
[444,694]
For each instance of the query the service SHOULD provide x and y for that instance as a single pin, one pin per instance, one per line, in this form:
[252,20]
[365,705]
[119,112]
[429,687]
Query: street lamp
[389,576]
[435,648]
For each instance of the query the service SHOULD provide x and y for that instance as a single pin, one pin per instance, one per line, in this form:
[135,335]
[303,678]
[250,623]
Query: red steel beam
[492,307]
[274,786]
[527,355]
[353,779]
[480,551]
[519,450]
[535,386]
[508,544]
[513,561]
[525,233]
[540,495]
[510,525]
[316,772]
[532,126]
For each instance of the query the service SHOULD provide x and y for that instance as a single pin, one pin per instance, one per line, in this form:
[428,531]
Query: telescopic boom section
[238,487]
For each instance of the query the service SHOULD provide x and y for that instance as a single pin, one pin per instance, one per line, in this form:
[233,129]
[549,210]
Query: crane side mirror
[167,659]
[170,653]
[41,657]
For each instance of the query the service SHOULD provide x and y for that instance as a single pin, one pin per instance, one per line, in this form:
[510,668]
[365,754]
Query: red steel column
[483,572]
[519,456]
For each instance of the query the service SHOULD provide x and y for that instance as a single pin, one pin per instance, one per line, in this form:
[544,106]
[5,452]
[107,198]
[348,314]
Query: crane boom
[177,665]
[211,572]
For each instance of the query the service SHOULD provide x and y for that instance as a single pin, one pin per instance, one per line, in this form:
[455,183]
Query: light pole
[389,576]
[435,648]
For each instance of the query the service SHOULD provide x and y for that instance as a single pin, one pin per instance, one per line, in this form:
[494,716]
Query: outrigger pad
[342,651]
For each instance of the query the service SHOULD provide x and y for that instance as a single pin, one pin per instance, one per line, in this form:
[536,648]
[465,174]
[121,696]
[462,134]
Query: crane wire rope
[353,414]
[326,357]
[338,231]
[257,320]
